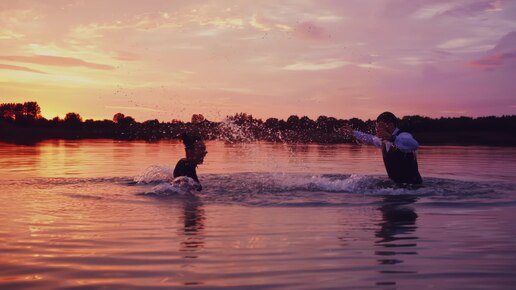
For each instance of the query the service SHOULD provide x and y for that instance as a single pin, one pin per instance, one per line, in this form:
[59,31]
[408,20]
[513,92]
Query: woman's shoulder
[183,163]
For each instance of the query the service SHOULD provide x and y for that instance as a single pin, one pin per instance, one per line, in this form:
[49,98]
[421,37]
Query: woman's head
[194,147]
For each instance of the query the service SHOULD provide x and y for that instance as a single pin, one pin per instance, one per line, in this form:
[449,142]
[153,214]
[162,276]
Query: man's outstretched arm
[367,138]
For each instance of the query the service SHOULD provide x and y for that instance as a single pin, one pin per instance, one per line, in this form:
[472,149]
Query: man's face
[381,126]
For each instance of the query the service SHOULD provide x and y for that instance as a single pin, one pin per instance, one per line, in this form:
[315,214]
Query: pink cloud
[502,54]
[506,44]
[493,61]
[473,8]
[125,55]
[20,68]
[311,31]
[55,61]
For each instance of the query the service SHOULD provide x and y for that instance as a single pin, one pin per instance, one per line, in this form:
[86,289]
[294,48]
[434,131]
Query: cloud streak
[503,54]
[473,8]
[19,68]
[55,61]
[494,61]
[307,66]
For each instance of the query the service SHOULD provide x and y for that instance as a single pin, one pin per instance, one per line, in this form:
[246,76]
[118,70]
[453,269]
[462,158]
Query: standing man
[398,148]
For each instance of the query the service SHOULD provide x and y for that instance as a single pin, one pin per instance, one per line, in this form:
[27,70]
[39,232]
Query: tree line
[22,122]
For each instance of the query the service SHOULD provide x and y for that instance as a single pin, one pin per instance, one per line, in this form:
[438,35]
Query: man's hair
[387,117]
[189,139]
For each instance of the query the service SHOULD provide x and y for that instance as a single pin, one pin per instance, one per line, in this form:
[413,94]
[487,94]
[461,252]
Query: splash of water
[180,186]
[280,188]
[232,130]
[286,183]
[167,184]
[155,173]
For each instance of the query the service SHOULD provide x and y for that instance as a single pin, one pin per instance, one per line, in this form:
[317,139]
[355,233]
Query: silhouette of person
[195,152]
[398,148]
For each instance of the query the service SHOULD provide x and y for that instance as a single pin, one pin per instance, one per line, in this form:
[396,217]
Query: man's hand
[382,131]
[383,134]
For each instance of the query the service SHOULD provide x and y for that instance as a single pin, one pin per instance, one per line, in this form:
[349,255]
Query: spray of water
[155,173]
[235,130]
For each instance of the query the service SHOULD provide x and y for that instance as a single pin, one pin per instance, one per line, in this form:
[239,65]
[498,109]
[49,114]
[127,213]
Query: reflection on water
[193,220]
[396,236]
[193,237]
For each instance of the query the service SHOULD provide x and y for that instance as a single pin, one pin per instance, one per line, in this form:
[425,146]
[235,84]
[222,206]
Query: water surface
[271,216]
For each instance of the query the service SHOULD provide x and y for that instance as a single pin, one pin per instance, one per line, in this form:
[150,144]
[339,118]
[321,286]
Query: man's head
[386,122]
[194,147]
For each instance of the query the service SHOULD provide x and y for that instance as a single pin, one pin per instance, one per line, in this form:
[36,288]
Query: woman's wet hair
[189,139]
[387,117]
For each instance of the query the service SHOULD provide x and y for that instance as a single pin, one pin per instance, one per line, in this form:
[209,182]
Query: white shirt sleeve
[405,142]
[367,138]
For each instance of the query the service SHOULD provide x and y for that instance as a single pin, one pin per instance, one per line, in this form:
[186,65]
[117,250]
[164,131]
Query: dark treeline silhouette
[23,123]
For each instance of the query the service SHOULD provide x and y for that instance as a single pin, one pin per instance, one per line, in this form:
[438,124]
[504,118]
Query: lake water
[271,216]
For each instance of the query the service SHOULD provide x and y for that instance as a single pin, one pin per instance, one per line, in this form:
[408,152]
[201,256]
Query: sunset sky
[171,59]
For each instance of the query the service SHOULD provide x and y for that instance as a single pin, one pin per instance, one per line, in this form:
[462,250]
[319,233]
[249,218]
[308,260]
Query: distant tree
[357,123]
[123,120]
[72,121]
[31,110]
[197,118]
[242,127]
[151,123]
[128,120]
[118,117]
[18,111]
[23,114]
[151,130]
[306,123]
[321,119]
[293,122]
[242,118]
[73,118]
[272,123]
[7,111]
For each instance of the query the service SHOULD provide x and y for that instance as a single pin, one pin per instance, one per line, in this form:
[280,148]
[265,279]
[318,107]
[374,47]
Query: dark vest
[401,166]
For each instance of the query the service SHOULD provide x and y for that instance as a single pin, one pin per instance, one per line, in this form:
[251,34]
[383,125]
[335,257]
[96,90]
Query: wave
[291,188]
[276,188]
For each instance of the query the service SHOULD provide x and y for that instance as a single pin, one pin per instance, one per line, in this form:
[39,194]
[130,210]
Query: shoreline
[23,123]
[32,136]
